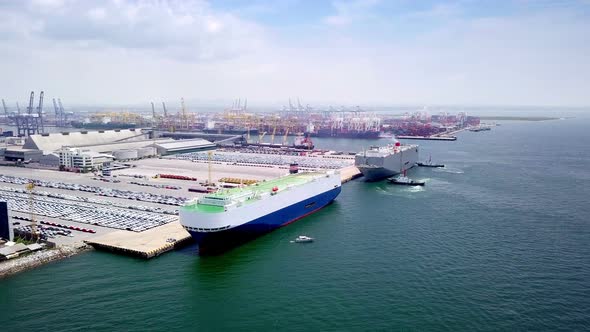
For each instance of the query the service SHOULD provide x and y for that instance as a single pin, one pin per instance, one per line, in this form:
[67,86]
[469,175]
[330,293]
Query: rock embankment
[30,261]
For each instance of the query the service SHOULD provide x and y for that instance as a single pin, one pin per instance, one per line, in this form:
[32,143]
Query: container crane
[57,117]
[31,101]
[167,124]
[17,108]
[40,111]
[165,110]
[274,131]
[286,133]
[62,115]
[154,122]
[5,109]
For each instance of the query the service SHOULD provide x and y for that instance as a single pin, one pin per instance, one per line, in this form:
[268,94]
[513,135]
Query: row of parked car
[93,200]
[44,232]
[109,192]
[86,213]
[155,185]
[266,159]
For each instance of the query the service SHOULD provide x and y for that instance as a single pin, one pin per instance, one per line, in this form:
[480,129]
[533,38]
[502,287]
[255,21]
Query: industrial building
[83,160]
[18,153]
[183,146]
[55,141]
[86,150]
[50,160]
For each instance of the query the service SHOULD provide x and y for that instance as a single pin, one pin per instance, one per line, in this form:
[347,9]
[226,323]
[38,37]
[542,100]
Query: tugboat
[429,163]
[405,181]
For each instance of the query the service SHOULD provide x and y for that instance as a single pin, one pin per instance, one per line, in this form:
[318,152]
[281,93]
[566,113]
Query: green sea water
[499,240]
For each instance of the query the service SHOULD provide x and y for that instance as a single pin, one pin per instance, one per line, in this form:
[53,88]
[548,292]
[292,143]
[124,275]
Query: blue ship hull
[216,242]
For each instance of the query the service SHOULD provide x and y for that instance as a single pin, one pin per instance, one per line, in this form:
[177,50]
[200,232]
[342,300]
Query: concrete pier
[349,173]
[147,244]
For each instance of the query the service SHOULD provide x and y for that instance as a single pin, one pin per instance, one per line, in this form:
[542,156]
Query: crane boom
[40,110]
[55,108]
[62,117]
[17,108]
[57,122]
[31,102]
[285,137]
[5,108]
[165,110]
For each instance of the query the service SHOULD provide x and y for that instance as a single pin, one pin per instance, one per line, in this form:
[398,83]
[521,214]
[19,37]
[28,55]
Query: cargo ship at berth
[341,133]
[230,217]
[379,162]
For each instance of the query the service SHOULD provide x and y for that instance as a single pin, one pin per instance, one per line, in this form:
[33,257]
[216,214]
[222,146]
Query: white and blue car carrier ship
[233,216]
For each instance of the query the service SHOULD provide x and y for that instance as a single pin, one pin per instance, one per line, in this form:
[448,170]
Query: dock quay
[147,244]
[429,138]
[349,173]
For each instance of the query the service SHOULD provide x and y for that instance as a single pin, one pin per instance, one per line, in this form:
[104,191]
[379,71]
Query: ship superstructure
[236,215]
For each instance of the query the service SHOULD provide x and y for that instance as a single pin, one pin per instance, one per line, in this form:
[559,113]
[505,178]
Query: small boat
[405,181]
[303,239]
[429,164]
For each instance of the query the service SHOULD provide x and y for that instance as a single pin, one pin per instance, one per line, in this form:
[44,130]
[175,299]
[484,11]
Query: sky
[357,52]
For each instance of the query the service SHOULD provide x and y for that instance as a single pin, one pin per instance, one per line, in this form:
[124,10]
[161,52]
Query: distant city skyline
[358,52]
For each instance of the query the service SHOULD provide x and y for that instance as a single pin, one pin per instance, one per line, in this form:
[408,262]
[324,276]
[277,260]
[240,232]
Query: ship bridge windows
[217,201]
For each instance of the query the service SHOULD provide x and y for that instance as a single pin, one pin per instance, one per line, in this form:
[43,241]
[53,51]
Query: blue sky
[357,52]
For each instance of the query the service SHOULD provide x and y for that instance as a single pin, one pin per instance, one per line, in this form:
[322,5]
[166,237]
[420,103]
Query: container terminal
[269,126]
[119,187]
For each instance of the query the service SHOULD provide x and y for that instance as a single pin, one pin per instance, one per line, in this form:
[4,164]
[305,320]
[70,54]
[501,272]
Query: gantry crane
[40,111]
[5,109]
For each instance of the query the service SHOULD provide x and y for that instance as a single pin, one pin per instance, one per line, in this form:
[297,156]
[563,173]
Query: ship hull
[218,242]
[337,134]
[376,173]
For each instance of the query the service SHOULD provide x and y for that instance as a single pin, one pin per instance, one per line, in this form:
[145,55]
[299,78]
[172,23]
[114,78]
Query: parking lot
[275,159]
[86,213]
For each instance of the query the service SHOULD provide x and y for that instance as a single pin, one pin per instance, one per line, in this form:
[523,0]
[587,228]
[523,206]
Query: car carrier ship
[229,217]
[379,162]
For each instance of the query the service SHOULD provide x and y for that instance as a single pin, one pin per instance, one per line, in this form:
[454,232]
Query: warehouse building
[55,141]
[184,146]
[18,153]
[50,160]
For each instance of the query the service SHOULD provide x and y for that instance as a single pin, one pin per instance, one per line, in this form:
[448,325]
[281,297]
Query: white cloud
[146,50]
[187,30]
[97,14]
[48,3]
[350,11]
